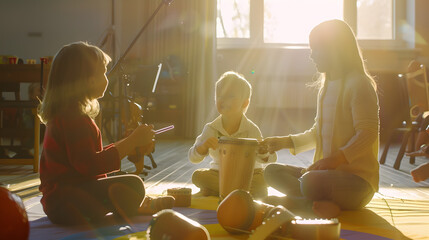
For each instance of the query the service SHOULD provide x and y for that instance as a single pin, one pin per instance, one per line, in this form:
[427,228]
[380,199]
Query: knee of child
[132,183]
[138,185]
[195,176]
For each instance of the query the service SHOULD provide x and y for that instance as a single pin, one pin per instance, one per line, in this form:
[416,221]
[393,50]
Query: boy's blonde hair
[67,88]
[237,81]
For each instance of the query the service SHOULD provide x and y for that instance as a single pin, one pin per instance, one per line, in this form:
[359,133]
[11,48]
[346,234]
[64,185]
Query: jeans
[348,191]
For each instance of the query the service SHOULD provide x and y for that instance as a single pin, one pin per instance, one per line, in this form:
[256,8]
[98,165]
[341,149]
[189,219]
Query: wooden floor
[174,169]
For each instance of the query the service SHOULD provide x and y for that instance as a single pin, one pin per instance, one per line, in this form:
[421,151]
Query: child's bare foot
[420,173]
[326,209]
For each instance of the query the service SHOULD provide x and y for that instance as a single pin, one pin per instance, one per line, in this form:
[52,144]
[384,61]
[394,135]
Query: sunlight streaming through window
[233,19]
[290,21]
[375,19]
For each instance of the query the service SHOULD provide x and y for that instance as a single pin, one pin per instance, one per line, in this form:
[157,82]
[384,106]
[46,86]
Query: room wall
[32,29]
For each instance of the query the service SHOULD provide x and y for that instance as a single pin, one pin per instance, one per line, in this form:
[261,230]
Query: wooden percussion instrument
[183,196]
[239,213]
[237,161]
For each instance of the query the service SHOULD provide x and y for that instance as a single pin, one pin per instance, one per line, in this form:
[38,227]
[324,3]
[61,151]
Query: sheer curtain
[186,29]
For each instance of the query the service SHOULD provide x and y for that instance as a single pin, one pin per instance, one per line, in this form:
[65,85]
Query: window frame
[402,11]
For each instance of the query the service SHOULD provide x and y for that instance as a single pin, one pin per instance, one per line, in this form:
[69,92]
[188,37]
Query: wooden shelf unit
[11,77]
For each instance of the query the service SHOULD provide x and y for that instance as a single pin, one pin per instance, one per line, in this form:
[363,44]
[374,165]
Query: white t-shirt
[247,129]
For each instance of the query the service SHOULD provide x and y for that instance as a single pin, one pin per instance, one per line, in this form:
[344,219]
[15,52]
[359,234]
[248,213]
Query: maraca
[238,212]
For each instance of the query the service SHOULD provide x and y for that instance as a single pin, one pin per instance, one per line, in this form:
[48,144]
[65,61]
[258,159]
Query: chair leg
[386,148]
[413,148]
[401,150]
[412,160]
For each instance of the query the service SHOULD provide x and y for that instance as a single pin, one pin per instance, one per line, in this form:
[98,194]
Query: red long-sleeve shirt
[73,154]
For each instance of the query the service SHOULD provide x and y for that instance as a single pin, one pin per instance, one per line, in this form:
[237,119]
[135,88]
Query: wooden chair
[12,130]
[416,90]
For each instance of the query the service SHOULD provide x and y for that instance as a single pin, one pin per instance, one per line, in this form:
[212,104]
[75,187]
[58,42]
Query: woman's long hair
[67,89]
[337,35]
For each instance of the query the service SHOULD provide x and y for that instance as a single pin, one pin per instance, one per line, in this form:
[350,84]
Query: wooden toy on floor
[169,224]
[239,213]
[183,196]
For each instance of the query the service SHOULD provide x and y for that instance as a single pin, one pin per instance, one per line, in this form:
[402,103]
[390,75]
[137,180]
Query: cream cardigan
[355,131]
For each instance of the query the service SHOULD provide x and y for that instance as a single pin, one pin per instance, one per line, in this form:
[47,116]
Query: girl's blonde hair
[67,88]
[337,35]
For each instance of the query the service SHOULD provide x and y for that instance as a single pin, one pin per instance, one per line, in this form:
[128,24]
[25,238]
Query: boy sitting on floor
[233,93]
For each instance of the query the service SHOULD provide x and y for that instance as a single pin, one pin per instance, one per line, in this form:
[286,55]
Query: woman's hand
[331,162]
[203,149]
[273,144]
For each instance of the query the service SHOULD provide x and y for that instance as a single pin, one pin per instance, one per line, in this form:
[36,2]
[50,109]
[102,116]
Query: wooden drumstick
[165,129]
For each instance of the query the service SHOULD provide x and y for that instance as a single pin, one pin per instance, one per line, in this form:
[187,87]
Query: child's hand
[263,151]
[143,135]
[274,144]
[331,162]
[262,147]
[203,149]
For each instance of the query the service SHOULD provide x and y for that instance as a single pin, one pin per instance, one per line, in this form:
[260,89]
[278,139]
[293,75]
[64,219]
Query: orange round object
[169,224]
[236,212]
[13,217]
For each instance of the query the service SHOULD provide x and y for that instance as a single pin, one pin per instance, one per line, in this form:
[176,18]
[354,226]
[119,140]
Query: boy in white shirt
[233,93]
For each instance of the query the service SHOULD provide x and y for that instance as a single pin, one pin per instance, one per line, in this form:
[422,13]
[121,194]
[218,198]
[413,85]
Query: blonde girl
[74,163]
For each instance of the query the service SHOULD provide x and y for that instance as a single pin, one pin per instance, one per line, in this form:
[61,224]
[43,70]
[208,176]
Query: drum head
[239,141]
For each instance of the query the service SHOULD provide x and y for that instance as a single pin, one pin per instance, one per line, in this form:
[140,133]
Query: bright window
[289,22]
[375,19]
[233,19]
